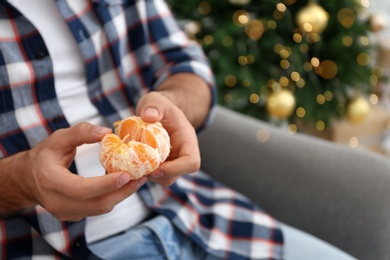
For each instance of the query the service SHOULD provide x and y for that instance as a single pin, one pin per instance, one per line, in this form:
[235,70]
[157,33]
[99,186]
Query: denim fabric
[154,239]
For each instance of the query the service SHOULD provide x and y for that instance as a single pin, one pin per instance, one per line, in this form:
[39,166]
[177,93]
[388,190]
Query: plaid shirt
[128,47]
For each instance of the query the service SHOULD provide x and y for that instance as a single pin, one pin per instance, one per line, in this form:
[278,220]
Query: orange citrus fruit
[136,147]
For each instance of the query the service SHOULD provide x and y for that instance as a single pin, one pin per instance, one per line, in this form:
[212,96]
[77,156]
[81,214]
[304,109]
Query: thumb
[152,106]
[151,114]
[82,133]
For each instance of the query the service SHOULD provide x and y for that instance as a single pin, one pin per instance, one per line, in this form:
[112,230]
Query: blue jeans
[154,239]
[158,239]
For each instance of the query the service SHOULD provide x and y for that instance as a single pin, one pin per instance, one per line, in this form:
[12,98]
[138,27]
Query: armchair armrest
[339,194]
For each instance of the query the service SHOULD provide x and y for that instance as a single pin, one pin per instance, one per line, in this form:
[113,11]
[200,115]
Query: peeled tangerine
[136,147]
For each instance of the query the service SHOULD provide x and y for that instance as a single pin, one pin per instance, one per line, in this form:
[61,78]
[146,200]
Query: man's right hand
[41,176]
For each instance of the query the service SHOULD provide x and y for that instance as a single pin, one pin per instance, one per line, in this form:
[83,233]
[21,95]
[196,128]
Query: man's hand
[184,157]
[181,104]
[41,176]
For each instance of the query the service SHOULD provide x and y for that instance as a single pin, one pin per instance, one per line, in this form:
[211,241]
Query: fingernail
[101,130]
[123,179]
[141,182]
[151,112]
[157,174]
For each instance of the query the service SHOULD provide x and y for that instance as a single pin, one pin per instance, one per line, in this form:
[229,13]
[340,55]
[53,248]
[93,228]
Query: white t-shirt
[70,85]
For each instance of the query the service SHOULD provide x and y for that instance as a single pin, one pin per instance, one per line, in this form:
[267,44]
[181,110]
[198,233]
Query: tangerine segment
[135,158]
[152,134]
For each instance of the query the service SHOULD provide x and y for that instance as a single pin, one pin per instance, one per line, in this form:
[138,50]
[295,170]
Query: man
[68,70]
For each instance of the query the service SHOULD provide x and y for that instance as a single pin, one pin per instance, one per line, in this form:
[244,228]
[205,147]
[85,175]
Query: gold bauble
[358,110]
[312,18]
[280,104]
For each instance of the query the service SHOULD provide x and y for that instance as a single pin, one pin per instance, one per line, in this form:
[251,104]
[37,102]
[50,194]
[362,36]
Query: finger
[164,181]
[82,188]
[72,209]
[152,106]
[169,171]
[183,165]
[115,197]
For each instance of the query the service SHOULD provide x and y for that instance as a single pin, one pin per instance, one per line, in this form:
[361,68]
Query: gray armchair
[334,192]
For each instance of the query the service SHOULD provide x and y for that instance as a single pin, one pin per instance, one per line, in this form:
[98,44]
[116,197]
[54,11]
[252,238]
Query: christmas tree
[286,60]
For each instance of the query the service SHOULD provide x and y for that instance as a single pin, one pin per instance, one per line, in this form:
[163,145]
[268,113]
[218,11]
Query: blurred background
[320,67]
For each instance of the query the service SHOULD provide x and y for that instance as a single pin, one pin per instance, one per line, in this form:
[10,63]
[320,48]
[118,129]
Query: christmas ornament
[357,110]
[312,18]
[280,104]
